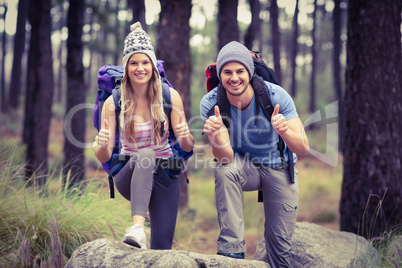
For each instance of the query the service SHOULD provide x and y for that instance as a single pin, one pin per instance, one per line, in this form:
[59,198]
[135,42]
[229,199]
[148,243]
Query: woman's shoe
[135,236]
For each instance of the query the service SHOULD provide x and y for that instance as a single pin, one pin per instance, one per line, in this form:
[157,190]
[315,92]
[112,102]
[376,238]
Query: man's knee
[226,171]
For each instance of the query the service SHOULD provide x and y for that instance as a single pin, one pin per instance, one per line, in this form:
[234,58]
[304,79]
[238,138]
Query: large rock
[316,246]
[112,253]
[313,246]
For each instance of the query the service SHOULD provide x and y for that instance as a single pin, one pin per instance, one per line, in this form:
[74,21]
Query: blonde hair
[128,104]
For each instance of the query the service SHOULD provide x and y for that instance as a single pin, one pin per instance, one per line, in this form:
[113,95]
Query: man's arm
[219,138]
[292,132]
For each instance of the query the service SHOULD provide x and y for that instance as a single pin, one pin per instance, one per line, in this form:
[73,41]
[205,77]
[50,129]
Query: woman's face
[139,69]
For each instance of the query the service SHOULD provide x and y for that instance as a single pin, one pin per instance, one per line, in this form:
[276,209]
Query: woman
[140,122]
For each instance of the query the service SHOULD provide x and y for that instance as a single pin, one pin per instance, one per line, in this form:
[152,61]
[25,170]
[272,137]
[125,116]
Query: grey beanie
[234,51]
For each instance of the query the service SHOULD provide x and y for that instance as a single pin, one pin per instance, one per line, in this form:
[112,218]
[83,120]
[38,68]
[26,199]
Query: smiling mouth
[235,85]
[140,75]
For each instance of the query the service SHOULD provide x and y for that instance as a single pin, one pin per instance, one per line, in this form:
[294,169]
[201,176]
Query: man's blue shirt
[258,141]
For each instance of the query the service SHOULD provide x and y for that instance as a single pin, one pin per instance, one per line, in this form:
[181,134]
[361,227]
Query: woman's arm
[179,122]
[107,133]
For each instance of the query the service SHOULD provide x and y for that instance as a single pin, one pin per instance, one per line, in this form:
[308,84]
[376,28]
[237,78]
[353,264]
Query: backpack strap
[111,185]
[167,108]
[224,106]
[115,168]
[262,96]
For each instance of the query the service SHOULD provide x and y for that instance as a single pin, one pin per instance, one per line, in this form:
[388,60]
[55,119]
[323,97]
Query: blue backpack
[109,81]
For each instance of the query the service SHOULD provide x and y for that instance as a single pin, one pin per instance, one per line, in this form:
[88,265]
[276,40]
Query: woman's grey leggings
[147,190]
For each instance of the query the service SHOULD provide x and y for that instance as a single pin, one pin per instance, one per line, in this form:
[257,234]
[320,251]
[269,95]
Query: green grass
[46,225]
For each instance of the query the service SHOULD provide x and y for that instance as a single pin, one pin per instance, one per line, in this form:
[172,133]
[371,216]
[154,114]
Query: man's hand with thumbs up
[218,137]
[278,121]
[182,130]
[214,123]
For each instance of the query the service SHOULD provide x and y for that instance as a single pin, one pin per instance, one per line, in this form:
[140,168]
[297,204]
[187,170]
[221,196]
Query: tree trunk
[4,103]
[105,22]
[254,29]
[312,106]
[74,160]
[228,29]
[60,88]
[276,39]
[138,8]
[173,47]
[39,90]
[294,50]
[90,21]
[371,198]
[336,61]
[19,49]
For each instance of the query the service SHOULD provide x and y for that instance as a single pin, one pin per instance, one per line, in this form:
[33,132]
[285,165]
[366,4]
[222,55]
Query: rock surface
[112,253]
[312,246]
[316,246]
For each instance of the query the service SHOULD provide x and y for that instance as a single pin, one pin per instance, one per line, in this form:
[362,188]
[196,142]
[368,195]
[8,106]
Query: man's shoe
[135,236]
[232,255]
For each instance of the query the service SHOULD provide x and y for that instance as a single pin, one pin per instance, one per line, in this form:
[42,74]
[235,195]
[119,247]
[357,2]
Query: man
[248,156]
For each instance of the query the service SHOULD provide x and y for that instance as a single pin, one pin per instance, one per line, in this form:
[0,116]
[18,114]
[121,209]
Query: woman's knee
[146,153]
[145,158]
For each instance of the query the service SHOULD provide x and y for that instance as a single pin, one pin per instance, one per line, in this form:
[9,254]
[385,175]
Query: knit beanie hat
[234,51]
[138,41]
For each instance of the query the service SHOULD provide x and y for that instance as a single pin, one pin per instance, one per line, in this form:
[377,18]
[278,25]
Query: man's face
[235,78]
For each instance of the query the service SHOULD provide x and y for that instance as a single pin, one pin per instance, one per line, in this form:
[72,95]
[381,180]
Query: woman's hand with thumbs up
[104,134]
[104,141]
[179,123]
[182,128]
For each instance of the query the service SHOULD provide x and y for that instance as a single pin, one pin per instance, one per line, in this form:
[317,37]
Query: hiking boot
[232,255]
[135,236]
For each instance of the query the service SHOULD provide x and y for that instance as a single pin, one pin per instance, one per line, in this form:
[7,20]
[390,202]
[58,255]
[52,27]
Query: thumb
[217,112]
[106,124]
[276,110]
[182,117]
